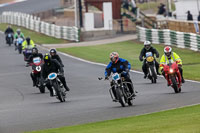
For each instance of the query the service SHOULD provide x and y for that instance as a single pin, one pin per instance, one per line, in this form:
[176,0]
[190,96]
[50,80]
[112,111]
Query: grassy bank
[183,120]
[37,37]
[130,50]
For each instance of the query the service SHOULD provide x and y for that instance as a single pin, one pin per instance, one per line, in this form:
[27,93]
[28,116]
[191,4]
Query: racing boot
[66,87]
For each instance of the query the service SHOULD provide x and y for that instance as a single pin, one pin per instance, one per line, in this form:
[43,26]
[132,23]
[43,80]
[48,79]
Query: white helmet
[147,43]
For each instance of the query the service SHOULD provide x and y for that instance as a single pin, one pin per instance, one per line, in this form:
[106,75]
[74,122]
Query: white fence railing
[170,37]
[34,23]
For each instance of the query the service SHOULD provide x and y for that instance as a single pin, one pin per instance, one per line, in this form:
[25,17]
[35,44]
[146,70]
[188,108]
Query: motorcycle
[151,68]
[57,86]
[9,39]
[36,70]
[123,95]
[19,42]
[172,75]
[27,52]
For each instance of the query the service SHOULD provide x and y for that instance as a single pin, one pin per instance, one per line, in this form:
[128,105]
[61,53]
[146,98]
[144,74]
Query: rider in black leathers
[148,48]
[7,31]
[119,65]
[54,55]
[34,54]
[49,66]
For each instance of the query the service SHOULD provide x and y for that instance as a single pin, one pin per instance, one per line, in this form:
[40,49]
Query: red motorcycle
[36,70]
[173,75]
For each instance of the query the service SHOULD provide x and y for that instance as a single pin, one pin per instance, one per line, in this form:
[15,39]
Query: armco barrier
[169,37]
[34,23]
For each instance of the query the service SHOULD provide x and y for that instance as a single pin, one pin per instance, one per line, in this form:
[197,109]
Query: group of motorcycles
[172,73]
[37,62]
[123,95]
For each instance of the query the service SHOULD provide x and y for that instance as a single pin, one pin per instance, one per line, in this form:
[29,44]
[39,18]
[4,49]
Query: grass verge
[182,120]
[130,50]
[37,37]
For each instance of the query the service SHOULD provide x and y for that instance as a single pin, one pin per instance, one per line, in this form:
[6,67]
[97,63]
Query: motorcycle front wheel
[120,97]
[58,92]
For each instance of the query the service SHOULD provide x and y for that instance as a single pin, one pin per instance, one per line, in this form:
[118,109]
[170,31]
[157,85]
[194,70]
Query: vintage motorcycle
[27,52]
[172,75]
[123,95]
[151,68]
[19,42]
[36,70]
[9,39]
[57,86]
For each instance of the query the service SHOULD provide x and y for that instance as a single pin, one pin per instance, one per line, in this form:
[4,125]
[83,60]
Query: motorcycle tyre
[174,85]
[120,97]
[58,92]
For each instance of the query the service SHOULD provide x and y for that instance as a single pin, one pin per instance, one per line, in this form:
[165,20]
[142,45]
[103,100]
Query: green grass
[130,50]
[36,37]
[182,120]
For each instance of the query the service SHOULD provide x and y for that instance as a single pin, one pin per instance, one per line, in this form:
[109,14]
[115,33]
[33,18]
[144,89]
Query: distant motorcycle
[151,67]
[9,39]
[36,70]
[172,75]
[57,86]
[19,42]
[27,52]
[123,95]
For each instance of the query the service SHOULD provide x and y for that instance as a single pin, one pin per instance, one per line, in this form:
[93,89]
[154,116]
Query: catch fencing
[170,37]
[34,23]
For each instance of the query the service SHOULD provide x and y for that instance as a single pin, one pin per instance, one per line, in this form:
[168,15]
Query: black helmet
[47,59]
[18,31]
[34,51]
[28,39]
[52,52]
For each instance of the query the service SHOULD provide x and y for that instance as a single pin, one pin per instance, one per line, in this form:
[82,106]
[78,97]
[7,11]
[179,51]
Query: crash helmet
[147,45]
[34,51]
[18,31]
[52,52]
[114,57]
[168,51]
[47,59]
[28,39]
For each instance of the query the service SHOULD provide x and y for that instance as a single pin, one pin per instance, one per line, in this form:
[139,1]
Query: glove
[141,59]
[61,73]
[106,78]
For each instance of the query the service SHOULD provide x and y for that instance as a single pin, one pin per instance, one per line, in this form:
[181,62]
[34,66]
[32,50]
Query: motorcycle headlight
[38,68]
[171,70]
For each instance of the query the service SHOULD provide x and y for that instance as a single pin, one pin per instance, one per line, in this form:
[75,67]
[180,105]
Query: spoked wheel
[120,97]
[154,75]
[58,92]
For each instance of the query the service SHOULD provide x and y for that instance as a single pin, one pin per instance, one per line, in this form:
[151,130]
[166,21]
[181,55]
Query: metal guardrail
[33,23]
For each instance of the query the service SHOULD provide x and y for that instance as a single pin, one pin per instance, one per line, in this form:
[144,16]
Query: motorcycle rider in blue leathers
[119,65]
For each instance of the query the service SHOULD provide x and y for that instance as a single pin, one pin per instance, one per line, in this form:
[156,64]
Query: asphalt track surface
[23,108]
[31,6]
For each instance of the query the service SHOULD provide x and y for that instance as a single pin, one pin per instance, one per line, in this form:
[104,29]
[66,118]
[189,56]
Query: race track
[32,6]
[23,108]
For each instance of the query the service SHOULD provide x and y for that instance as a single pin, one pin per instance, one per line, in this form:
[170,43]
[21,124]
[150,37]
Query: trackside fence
[170,37]
[34,23]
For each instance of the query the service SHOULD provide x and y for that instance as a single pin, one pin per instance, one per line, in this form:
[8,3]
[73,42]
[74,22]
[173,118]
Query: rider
[169,55]
[17,35]
[9,30]
[34,54]
[119,65]
[54,55]
[28,43]
[49,66]
[148,48]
